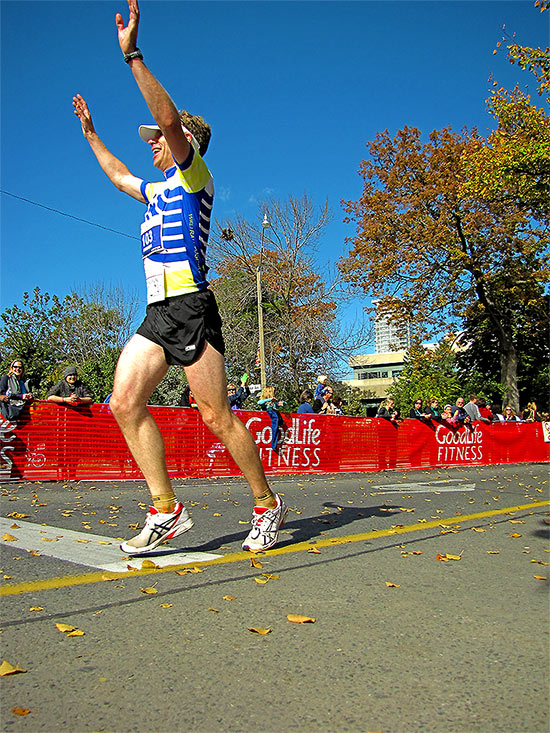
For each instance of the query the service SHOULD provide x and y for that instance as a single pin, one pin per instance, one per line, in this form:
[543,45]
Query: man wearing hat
[70,389]
[182,324]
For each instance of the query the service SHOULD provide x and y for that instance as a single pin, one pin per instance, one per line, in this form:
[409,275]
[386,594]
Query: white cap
[148,131]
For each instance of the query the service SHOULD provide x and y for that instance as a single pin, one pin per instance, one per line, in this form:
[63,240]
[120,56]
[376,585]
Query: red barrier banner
[54,442]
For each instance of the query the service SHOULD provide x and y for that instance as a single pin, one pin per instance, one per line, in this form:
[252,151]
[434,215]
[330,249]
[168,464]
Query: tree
[299,303]
[428,373]
[429,249]
[88,330]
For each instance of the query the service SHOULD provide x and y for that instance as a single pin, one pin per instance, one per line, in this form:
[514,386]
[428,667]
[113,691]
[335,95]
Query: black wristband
[134,55]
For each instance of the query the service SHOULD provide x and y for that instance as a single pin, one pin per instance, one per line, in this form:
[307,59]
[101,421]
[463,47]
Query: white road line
[431,487]
[83,548]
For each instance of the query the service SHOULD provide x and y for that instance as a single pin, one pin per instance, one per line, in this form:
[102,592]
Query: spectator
[321,384]
[473,410]
[323,406]
[459,415]
[531,414]
[236,396]
[187,399]
[270,404]
[447,415]
[387,411]
[337,405]
[484,410]
[433,409]
[418,412]
[509,415]
[306,398]
[70,389]
[15,391]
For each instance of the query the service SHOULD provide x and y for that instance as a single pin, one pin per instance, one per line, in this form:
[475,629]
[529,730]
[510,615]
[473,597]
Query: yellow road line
[98,577]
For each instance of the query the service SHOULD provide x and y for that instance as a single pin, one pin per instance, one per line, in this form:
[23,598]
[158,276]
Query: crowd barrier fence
[54,442]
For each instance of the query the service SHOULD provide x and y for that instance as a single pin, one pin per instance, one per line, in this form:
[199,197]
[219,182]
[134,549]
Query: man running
[182,324]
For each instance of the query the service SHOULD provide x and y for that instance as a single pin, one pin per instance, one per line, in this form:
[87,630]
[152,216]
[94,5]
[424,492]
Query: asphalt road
[402,640]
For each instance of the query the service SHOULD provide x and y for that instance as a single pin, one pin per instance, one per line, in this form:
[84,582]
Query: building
[374,374]
[389,337]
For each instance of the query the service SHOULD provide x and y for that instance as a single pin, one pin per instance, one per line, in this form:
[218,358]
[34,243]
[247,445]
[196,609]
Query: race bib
[151,240]
[154,276]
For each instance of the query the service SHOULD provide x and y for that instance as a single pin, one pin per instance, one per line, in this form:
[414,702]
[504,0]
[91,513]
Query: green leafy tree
[428,373]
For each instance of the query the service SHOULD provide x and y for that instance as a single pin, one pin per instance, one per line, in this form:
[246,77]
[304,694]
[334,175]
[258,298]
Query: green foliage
[428,373]
[48,334]
[169,391]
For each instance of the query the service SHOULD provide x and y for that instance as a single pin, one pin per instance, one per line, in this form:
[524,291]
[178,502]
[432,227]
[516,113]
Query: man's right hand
[83,113]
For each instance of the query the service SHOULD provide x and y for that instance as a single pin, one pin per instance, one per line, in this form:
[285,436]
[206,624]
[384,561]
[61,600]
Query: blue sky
[293,91]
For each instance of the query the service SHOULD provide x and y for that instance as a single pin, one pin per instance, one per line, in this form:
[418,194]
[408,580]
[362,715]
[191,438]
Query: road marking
[72,580]
[83,548]
[431,487]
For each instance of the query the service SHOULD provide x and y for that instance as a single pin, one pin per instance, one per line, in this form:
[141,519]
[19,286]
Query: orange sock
[164,503]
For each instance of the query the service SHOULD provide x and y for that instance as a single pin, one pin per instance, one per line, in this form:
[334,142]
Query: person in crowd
[509,415]
[187,399]
[418,412]
[323,405]
[447,415]
[484,410]
[306,398]
[473,410]
[433,409]
[70,389]
[236,396]
[271,405]
[321,384]
[387,411]
[531,414]
[15,391]
[459,415]
[337,405]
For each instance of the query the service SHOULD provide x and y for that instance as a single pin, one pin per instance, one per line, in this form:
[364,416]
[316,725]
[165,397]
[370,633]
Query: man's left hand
[127,36]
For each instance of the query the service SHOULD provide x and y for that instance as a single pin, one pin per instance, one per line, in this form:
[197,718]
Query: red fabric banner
[60,442]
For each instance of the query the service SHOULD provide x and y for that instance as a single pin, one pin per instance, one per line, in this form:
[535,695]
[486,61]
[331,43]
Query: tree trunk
[509,375]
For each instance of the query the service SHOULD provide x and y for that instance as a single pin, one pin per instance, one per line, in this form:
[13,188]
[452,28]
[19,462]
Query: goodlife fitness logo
[466,445]
[301,443]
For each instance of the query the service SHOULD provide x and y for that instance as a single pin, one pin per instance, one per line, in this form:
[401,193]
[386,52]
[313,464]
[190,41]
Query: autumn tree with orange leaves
[299,303]
[455,227]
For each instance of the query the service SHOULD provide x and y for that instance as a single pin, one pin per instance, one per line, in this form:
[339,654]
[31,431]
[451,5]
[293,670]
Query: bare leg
[207,380]
[141,366]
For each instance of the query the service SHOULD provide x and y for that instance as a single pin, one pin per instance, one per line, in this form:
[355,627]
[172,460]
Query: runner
[182,324]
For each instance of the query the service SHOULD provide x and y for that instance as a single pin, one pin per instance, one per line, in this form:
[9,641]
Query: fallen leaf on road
[261,581]
[270,577]
[15,526]
[6,668]
[392,585]
[9,538]
[166,605]
[314,550]
[187,571]
[20,711]
[229,598]
[540,577]
[149,590]
[514,534]
[255,563]
[64,628]
[256,630]
[297,619]
[446,557]
[149,565]
[479,529]
[493,552]
[76,632]
[214,610]
[36,608]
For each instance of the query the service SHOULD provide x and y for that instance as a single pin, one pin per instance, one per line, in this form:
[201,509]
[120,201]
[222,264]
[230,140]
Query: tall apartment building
[386,335]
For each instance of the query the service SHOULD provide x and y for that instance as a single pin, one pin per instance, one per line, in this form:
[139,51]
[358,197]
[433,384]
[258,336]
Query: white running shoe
[158,527]
[265,526]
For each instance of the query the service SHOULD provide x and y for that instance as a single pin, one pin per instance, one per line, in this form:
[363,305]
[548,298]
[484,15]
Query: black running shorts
[182,325]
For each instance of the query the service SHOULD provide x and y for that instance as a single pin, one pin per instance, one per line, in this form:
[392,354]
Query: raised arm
[158,100]
[114,169]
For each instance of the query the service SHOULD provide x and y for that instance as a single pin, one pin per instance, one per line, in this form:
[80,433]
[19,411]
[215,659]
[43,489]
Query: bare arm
[158,100]
[114,169]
